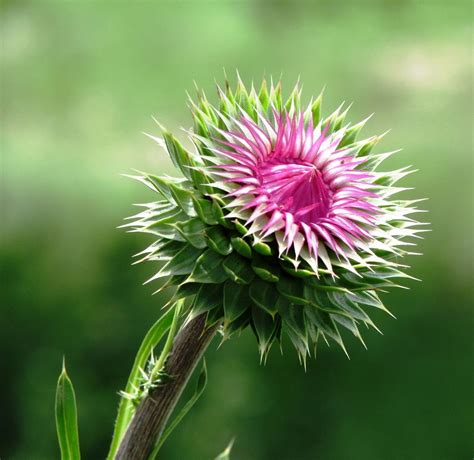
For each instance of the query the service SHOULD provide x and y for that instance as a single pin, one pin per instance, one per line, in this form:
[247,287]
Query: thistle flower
[282,220]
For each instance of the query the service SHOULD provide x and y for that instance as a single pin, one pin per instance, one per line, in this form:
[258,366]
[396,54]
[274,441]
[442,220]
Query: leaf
[207,298]
[200,387]
[160,362]
[193,231]
[325,323]
[187,290]
[218,240]
[181,264]
[264,96]
[183,160]
[215,316]
[169,249]
[264,327]
[66,418]
[316,109]
[161,185]
[264,295]
[204,210]
[292,289]
[208,268]
[225,455]
[125,411]
[237,325]
[219,215]
[238,269]
[236,301]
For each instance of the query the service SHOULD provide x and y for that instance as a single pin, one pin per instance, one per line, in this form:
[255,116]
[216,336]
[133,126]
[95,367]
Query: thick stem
[153,412]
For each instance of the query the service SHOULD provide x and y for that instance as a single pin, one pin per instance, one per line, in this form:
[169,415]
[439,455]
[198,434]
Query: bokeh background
[80,81]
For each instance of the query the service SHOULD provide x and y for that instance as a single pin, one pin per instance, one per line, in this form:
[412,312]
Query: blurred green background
[80,81]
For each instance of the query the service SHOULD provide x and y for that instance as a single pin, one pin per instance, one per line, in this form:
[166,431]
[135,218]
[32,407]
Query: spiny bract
[282,220]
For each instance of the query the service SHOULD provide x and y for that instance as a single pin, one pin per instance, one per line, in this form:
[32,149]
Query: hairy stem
[155,409]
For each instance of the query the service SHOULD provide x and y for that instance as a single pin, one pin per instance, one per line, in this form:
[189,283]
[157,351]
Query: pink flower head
[298,182]
[302,180]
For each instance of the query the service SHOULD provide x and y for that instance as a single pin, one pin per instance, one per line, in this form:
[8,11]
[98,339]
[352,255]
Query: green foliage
[66,418]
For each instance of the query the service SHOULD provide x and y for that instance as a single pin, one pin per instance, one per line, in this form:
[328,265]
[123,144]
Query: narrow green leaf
[66,418]
[125,411]
[160,362]
[200,387]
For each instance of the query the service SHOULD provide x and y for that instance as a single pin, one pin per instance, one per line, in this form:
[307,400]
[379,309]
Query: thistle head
[281,221]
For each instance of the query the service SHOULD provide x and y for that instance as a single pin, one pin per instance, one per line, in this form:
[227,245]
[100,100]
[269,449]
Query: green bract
[221,266]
